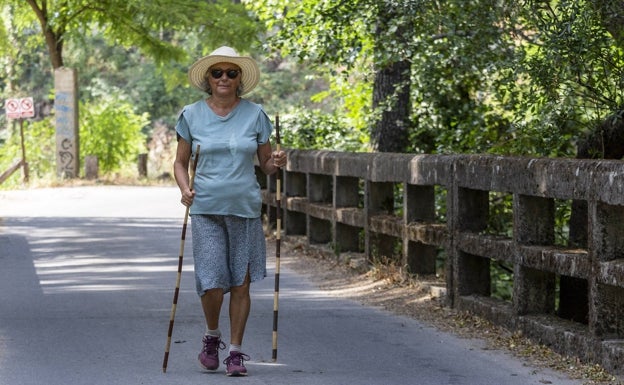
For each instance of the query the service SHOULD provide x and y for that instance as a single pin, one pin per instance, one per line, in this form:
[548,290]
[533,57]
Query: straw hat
[250,73]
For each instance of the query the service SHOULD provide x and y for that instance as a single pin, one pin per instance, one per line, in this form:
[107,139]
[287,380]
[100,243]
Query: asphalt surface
[86,285]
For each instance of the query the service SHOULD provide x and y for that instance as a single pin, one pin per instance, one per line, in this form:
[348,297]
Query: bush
[112,132]
[314,130]
[40,147]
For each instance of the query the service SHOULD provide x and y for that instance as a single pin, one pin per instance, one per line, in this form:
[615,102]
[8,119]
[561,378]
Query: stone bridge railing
[424,208]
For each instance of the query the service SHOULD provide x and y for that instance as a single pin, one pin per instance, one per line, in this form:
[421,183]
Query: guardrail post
[379,200]
[319,191]
[606,316]
[346,194]
[534,224]
[418,206]
[471,272]
[294,187]
[92,167]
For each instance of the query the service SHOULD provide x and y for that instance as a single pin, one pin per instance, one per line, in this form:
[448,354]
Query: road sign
[28,107]
[12,107]
[20,108]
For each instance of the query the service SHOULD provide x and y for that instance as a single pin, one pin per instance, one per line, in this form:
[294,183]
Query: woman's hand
[187,197]
[279,158]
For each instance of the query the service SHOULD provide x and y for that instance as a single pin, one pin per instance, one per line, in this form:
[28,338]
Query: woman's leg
[211,304]
[240,305]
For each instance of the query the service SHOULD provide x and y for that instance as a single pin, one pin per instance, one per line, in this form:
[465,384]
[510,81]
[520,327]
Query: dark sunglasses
[232,74]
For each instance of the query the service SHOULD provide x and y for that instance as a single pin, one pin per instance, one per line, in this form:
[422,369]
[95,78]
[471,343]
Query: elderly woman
[229,249]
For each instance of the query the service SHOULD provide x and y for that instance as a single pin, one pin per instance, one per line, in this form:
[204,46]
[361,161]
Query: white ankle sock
[234,348]
[213,333]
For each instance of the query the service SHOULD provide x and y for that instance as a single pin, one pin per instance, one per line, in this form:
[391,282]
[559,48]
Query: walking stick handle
[180,260]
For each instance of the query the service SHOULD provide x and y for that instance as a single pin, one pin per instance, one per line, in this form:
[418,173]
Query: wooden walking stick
[278,217]
[180,259]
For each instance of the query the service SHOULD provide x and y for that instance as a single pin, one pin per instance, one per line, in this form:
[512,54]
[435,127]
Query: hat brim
[250,73]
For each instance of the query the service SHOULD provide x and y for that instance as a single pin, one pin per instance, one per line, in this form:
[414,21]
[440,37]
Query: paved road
[86,284]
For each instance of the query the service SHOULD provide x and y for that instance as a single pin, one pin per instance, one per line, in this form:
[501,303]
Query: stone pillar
[471,272]
[92,167]
[346,195]
[142,165]
[534,224]
[319,189]
[66,111]
[294,186]
[418,206]
[606,315]
[379,199]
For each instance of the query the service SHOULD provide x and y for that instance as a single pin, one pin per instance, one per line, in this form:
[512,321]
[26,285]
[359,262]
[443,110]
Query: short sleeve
[182,127]
[265,127]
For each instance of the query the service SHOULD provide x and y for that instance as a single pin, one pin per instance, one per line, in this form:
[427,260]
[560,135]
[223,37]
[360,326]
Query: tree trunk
[52,38]
[612,14]
[55,48]
[391,91]
[391,96]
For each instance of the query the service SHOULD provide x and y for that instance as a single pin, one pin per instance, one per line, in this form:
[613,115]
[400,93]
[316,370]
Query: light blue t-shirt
[225,180]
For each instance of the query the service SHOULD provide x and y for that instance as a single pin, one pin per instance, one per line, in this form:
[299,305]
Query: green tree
[429,64]
[464,83]
[483,75]
[349,36]
[138,50]
[143,24]
[111,131]
[575,65]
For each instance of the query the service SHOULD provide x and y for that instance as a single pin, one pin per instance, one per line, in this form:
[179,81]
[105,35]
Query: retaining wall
[432,212]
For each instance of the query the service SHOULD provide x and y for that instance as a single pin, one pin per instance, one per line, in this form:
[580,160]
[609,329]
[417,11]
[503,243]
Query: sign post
[20,109]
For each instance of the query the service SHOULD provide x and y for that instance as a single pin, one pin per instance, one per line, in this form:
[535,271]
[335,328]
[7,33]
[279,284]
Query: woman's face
[224,79]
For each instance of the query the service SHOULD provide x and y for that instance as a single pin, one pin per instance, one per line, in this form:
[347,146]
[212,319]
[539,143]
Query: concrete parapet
[431,213]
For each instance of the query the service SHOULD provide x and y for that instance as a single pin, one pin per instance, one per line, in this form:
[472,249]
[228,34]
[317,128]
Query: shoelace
[212,345]
[237,359]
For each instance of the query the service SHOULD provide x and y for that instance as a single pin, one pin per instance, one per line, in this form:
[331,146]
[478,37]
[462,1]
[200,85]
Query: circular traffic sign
[12,107]
[28,107]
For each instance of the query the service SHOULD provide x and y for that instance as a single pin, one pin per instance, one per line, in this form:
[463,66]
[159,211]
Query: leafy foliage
[40,149]
[112,132]
[312,129]
[486,75]
[576,67]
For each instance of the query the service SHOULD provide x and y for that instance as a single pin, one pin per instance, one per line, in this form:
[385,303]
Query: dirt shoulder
[387,288]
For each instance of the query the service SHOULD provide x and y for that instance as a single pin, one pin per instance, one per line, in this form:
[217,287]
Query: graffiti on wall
[66,111]
[66,164]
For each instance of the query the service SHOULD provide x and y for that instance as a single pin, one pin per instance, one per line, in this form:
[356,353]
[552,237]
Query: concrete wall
[571,299]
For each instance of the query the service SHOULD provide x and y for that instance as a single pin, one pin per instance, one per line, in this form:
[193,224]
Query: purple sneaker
[235,364]
[209,356]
